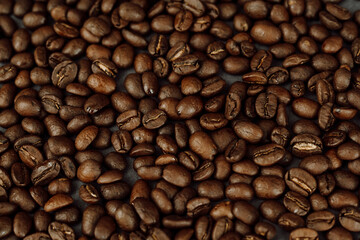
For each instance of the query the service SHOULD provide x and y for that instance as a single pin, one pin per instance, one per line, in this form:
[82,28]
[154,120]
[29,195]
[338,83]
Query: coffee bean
[306,144]
[126,217]
[265,32]
[296,203]
[300,181]
[64,73]
[60,230]
[245,212]
[336,232]
[349,218]
[304,233]
[57,201]
[268,187]
[269,154]
[146,210]
[202,144]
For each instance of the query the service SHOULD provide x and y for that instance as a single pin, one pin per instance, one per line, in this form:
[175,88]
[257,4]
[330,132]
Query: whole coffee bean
[304,233]
[88,171]
[239,191]
[146,210]
[266,105]
[91,215]
[57,201]
[43,173]
[68,215]
[128,120]
[348,151]
[39,195]
[268,155]
[42,220]
[198,206]
[306,144]
[349,218]
[316,164]
[177,175]
[236,65]
[101,83]
[202,144]
[248,131]
[30,155]
[300,181]
[20,175]
[64,73]
[60,230]
[154,119]
[296,203]
[185,65]
[268,187]
[265,32]
[290,221]
[245,212]
[336,232]
[320,220]
[272,210]
[126,217]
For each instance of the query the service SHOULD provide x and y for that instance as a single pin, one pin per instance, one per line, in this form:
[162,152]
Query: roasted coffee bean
[146,210]
[300,181]
[43,173]
[265,32]
[304,233]
[266,105]
[296,203]
[245,212]
[202,144]
[336,232]
[64,73]
[268,155]
[349,218]
[244,134]
[272,210]
[306,144]
[268,187]
[60,230]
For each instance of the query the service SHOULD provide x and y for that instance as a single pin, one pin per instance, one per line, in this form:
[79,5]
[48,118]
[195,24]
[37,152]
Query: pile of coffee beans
[118,120]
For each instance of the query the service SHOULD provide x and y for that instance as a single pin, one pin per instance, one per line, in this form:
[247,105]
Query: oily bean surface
[179,119]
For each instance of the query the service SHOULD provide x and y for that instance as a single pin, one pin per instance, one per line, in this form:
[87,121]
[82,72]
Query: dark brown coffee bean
[245,212]
[128,120]
[304,233]
[202,144]
[265,32]
[336,232]
[60,230]
[116,190]
[42,220]
[296,203]
[20,175]
[300,181]
[45,172]
[306,144]
[57,201]
[101,83]
[88,171]
[266,105]
[349,218]
[268,155]
[236,65]
[146,210]
[268,187]
[186,64]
